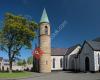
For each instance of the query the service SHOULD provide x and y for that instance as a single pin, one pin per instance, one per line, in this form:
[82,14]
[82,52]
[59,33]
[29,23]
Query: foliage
[30,60]
[17,33]
[21,62]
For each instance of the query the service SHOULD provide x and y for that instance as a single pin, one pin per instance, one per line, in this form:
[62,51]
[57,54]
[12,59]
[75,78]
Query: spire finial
[44,17]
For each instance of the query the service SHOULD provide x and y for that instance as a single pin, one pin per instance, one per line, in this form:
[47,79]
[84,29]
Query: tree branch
[15,52]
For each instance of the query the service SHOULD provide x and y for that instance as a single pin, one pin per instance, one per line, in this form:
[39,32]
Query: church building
[90,56]
[83,58]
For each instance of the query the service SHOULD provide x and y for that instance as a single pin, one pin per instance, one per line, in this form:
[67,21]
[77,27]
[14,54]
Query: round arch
[87,64]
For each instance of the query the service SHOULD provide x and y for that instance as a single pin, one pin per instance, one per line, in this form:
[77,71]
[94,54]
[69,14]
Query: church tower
[45,43]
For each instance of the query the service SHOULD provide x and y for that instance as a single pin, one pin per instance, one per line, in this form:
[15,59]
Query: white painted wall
[96,60]
[1,64]
[19,68]
[57,62]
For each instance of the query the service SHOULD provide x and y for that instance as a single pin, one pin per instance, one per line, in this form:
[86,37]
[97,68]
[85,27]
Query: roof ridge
[94,44]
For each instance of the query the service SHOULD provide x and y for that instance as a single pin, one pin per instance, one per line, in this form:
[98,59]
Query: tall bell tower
[45,43]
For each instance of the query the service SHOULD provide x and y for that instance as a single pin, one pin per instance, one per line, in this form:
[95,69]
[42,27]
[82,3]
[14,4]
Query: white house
[4,65]
[1,61]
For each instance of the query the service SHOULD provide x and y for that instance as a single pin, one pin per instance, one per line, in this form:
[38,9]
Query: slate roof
[1,58]
[97,39]
[5,60]
[62,51]
[94,45]
[71,49]
[58,51]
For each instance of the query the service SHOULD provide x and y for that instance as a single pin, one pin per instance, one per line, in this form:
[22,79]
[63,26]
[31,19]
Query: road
[63,75]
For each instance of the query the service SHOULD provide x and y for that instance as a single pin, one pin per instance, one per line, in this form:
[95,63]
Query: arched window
[46,30]
[61,62]
[53,62]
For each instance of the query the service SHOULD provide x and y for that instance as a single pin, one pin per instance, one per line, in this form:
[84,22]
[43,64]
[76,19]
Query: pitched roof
[5,60]
[71,49]
[58,51]
[1,58]
[97,39]
[62,51]
[44,17]
[94,45]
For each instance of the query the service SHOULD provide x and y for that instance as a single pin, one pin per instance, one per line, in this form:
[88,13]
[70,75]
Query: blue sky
[82,17]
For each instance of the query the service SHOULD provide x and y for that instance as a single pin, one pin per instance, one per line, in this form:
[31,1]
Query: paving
[63,75]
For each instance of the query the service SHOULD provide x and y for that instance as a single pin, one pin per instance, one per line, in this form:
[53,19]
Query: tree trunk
[10,63]
[10,66]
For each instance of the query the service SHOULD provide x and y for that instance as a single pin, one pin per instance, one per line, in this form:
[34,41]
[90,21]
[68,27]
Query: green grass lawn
[15,75]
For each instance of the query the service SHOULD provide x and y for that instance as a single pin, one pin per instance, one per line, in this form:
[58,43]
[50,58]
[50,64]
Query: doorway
[87,64]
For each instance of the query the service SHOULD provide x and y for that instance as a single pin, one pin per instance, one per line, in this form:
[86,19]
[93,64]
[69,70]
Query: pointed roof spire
[44,17]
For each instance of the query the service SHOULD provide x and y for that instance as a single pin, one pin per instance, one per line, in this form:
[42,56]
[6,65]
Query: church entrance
[87,64]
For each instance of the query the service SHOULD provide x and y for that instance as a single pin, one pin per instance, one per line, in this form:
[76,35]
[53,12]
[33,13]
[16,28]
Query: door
[87,64]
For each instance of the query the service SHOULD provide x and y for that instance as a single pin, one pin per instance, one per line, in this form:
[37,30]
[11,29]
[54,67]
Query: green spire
[44,17]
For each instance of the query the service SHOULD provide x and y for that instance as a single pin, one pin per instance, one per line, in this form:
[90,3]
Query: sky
[82,19]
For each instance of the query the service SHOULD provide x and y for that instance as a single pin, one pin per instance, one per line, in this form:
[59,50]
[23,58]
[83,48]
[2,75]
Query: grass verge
[15,74]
